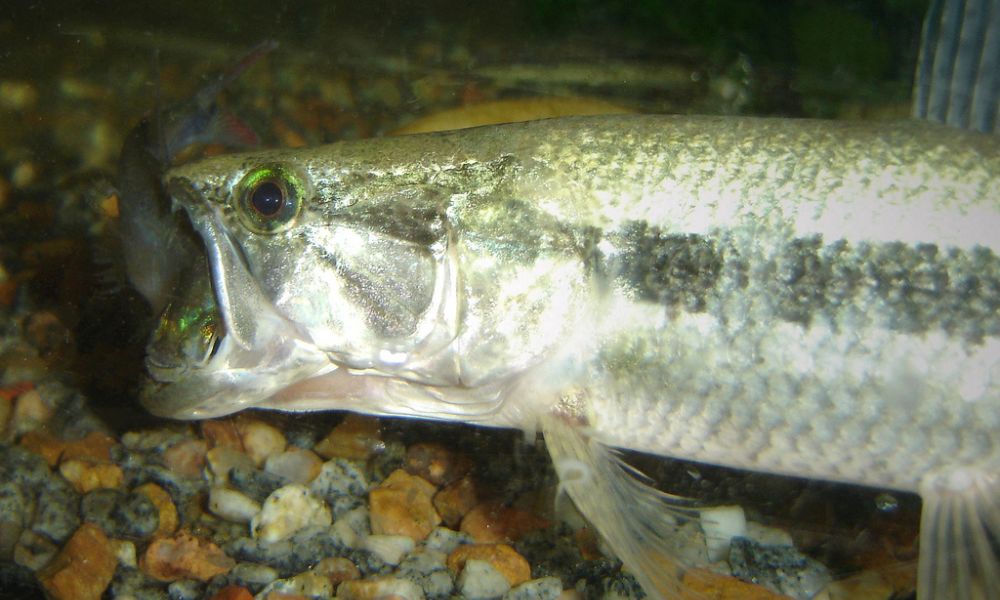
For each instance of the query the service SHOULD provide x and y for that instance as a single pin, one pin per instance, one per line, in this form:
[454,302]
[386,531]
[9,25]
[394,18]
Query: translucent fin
[960,536]
[958,74]
[637,521]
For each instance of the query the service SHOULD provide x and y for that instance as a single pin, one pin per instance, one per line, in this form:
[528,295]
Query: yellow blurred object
[509,111]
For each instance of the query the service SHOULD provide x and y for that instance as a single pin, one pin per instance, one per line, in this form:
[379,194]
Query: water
[73,80]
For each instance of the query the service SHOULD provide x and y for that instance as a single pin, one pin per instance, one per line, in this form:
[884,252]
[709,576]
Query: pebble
[254,482]
[310,585]
[707,584]
[57,506]
[33,551]
[232,592]
[222,460]
[186,458]
[24,174]
[259,439]
[479,580]
[17,95]
[342,483]
[87,475]
[166,510]
[455,501]
[543,588]
[30,412]
[95,446]
[222,433]
[402,505]
[252,575]
[184,556]
[294,465]
[337,569]
[502,557]
[379,588]
[125,553]
[390,549]
[490,523]
[43,444]
[232,505]
[436,463]
[287,510]
[782,569]
[120,514]
[446,540]
[133,584]
[83,568]
[357,437]
[427,569]
[186,589]
[868,585]
[721,524]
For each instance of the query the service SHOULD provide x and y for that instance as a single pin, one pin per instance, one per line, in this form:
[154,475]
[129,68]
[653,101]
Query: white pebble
[261,440]
[232,505]
[721,524]
[287,510]
[295,465]
[390,548]
[480,581]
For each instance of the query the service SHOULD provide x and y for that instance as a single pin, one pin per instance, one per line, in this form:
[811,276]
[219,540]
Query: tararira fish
[814,298]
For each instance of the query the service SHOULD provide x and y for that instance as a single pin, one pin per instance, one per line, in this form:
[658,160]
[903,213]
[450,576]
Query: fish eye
[269,199]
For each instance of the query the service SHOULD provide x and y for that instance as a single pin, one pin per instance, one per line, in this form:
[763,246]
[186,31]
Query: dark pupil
[267,199]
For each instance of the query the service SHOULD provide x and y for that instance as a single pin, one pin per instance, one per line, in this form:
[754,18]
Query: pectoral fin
[960,535]
[636,520]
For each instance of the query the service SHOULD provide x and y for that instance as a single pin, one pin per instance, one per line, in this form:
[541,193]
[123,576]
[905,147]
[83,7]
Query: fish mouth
[220,345]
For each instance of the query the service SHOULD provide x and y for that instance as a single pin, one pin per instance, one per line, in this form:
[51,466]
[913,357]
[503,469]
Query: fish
[802,297]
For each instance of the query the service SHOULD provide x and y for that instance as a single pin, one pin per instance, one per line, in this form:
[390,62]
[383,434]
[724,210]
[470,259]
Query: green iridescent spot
[269,198]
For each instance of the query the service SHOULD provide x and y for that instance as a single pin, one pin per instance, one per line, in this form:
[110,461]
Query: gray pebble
[427,568]
[341,484]
[141,467]
[16,506]
[22,467]
[252,575]
[58,507]
[781,569]
[255,483]
[34,551]
[302,551]
[621,586]
[544,588]
[121,515]
[480,581]
[132,583]
[446,540]
[185,589]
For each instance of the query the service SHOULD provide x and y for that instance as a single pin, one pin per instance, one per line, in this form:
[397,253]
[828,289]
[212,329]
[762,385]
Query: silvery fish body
[819,299]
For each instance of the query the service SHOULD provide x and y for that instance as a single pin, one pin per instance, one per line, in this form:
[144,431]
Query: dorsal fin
[958,74]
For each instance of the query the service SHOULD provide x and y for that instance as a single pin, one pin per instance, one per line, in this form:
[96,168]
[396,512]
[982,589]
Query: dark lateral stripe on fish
[907,288]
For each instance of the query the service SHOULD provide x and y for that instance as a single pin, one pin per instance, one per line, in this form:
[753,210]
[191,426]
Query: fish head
[317,289]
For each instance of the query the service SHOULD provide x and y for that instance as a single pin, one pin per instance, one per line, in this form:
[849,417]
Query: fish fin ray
[960,535]
[600,483]
[957,82]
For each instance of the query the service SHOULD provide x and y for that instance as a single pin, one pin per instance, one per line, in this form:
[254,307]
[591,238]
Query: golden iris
[269,198]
